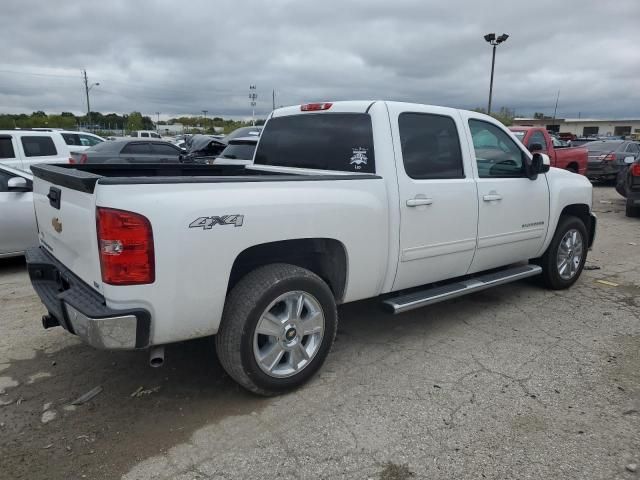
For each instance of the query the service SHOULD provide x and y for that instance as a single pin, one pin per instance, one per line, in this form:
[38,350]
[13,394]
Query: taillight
[313,107]
[635,169]
[83,158]
[125,242]
[609,157]
[72,160]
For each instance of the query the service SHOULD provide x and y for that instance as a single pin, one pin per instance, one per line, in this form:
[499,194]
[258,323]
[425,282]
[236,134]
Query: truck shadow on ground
[104,437]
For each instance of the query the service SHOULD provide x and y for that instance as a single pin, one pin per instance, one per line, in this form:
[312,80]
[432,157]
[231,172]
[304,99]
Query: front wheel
[278,325]
[564,259]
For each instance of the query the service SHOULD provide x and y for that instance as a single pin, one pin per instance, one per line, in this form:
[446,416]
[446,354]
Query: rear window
[602,146]
[325,141]
[6,148]
[240,151]
[72,139]
[38,146]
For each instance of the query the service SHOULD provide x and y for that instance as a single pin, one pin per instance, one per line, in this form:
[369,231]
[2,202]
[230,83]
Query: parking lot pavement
[515,382]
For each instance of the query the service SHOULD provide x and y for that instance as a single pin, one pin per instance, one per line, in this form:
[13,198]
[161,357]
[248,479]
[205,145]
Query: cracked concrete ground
[515,382]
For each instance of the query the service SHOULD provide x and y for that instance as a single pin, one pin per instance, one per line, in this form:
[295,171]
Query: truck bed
[85,177]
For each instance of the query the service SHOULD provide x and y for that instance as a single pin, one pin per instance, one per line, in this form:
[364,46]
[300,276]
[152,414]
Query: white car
[145,134]
[411,204]
[18,230]
[23,148]
[80,141]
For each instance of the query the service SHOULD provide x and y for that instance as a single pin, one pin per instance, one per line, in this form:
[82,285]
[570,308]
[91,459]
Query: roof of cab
[350,106]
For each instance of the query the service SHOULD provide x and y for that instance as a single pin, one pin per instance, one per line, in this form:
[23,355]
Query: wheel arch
[583,212]
[326,257]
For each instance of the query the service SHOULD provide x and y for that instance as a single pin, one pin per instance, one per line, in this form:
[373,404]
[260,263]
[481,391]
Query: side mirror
[539,163]
[534,147]
[629,160]
[18,184]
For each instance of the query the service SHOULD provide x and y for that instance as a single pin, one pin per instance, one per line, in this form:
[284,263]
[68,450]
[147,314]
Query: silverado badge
[57,224]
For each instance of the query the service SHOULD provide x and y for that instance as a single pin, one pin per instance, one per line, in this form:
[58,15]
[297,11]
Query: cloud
[185,57]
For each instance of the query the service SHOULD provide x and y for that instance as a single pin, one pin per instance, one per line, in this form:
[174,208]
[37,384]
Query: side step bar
[433,295]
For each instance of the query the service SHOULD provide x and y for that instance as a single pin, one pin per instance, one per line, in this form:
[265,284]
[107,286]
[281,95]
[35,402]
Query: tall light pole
[87,88]
[157,122]
[492,40]
[204,123]
[253,96]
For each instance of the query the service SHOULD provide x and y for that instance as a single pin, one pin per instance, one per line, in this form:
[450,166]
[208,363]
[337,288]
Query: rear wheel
[632,210]
[278,325]
[564,259]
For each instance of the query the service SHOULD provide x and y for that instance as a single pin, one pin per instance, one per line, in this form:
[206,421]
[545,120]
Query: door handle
[416,202]
[492,196]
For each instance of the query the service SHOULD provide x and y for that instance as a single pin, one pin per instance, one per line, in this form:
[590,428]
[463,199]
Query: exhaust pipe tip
[156,357]
[49,321]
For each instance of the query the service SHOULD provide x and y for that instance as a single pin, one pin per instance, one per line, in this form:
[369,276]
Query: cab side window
[537,137]
[6,147]
[497,155]
[430,146]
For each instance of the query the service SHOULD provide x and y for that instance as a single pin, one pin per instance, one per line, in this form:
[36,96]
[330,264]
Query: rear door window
[137,149]
[38,146]
[430,146]
[6,148]
[72,139]
[325,141]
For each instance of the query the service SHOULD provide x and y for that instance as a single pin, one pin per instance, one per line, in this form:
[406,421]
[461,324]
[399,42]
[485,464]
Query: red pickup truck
[574,159]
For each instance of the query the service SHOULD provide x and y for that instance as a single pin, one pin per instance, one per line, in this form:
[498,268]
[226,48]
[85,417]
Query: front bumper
[81,310]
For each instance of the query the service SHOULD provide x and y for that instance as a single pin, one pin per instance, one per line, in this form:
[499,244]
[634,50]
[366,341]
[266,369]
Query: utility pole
[157,122]
[253,96]
[88,87]
[492,40]
[555,109]
[273,99]
[204,123]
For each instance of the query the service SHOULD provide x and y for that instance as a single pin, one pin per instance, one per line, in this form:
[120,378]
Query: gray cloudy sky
[186,56]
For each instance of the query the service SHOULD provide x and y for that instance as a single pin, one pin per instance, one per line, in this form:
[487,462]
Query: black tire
[243,309]
[632,210]
[550,276]
[572,169]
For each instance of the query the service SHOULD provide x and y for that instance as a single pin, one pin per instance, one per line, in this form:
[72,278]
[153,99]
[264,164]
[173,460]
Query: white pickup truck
[410,203]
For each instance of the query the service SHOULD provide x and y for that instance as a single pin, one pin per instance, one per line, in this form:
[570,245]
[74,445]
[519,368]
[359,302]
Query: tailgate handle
[54,197]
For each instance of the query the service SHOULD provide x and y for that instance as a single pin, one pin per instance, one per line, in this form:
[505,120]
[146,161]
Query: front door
[438,199]
[513,210]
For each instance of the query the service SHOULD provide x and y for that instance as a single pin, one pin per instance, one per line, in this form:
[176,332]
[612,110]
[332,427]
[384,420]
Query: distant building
[584,127]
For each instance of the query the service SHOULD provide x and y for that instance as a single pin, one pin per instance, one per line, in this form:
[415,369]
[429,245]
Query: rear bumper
[602,170]
[81,310]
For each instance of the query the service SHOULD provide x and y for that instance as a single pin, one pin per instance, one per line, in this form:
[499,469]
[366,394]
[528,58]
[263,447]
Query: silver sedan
[18,230]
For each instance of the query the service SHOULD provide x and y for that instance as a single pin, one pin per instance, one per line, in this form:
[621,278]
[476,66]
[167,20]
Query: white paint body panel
[21,161]
[388,246]
[17,218]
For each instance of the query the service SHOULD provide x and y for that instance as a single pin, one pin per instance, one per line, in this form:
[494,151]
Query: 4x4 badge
[207,223]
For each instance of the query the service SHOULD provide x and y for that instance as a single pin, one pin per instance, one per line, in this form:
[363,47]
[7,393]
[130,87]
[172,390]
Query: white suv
[80,141]
[22,148]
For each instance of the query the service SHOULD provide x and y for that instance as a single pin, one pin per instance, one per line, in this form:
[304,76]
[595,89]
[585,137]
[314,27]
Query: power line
[38,74]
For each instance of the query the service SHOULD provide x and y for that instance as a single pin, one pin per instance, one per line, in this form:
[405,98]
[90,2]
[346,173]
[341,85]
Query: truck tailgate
[67,227]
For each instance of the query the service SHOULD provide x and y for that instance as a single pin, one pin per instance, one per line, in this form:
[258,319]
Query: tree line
[114,123]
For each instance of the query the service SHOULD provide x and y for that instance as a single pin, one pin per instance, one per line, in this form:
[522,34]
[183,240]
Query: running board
[433,295]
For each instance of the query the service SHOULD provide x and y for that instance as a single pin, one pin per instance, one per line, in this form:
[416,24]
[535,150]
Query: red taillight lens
[313,107]
[83,158]
[125,242]
[72,160]
[635,169]
[609,157]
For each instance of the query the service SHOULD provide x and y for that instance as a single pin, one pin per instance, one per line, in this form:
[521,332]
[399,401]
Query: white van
[22,148]
[145,134]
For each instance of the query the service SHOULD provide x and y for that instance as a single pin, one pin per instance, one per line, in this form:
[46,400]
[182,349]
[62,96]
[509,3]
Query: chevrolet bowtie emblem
[57,224]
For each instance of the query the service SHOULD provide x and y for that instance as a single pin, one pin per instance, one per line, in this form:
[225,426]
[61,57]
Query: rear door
[438,197]
[137,152]
[40,149]
[9,153]
[513,210]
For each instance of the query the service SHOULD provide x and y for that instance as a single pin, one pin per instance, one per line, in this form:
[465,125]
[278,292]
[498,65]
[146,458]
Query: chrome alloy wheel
[569,255]
[288,334]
